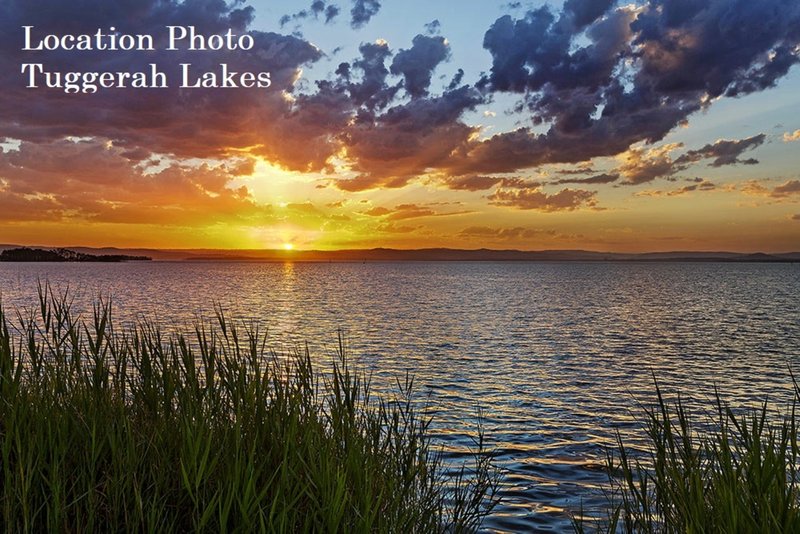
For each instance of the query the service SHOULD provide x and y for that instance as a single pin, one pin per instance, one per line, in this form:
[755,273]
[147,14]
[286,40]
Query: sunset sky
[594,124]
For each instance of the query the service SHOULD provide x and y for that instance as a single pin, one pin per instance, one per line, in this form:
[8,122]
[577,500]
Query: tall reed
[132,429]
[730,471]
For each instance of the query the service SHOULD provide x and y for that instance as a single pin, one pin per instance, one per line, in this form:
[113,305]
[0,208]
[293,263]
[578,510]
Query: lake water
[556,355]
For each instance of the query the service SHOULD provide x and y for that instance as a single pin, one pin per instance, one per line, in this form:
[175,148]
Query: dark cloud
[331,12]
[584,12]
[716,47]
[796,217]
[371,91]
[458,78]
[724,152]
[416,64]
[433,27]
[536,199]
[186,123]
[538,50]
[391,149]
[631,76]
[363,11]
[318,8]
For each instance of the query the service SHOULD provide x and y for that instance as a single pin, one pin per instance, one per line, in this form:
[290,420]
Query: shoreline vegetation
[131,429]
[727,470]
[25,254]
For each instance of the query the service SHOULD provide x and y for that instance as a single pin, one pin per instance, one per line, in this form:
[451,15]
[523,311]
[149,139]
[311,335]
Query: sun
[288,246]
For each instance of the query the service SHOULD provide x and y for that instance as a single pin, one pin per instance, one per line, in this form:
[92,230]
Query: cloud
[584,12]
[433,27]
[788,137]
[641,165]
[724,152]
[331,12]
[93,181]
[474,182]
[796,217]
[371,91]
[379,211]
[482,183]
[185,123]
[584,169]
[409,211]
[505,234]
[783,191]
[632,75]
[318,8]
[417,63]
[363,11]
[604,178]
[792,187]
[392,228]
[536,199]
[719,47]
[595,79]
[391,149]
[754,188]
[702,185]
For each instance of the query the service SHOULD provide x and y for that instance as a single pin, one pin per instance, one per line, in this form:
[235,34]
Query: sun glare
[288,246]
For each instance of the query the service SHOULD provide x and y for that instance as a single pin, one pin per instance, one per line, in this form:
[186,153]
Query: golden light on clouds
[554,137]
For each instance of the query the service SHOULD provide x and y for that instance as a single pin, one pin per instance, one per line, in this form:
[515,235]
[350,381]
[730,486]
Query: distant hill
[24,254]
[429,254]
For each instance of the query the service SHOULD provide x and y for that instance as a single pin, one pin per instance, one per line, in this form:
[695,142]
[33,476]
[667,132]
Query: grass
[726,472]
[135,430]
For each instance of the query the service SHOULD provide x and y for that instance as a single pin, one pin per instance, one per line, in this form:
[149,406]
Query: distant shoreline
[86,254]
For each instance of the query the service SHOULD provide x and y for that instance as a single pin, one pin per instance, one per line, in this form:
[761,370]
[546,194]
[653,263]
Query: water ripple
[557,356]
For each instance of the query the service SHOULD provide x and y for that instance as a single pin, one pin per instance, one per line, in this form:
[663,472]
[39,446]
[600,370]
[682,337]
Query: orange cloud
[409,211]
[95,181]
[702,185]
[788,137]
[536,199]
[639,166]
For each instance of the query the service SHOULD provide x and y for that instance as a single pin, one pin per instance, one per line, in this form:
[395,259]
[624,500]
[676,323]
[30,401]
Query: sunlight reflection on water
[556,355]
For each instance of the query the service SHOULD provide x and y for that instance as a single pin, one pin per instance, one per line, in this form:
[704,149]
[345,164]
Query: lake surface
[556,355]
